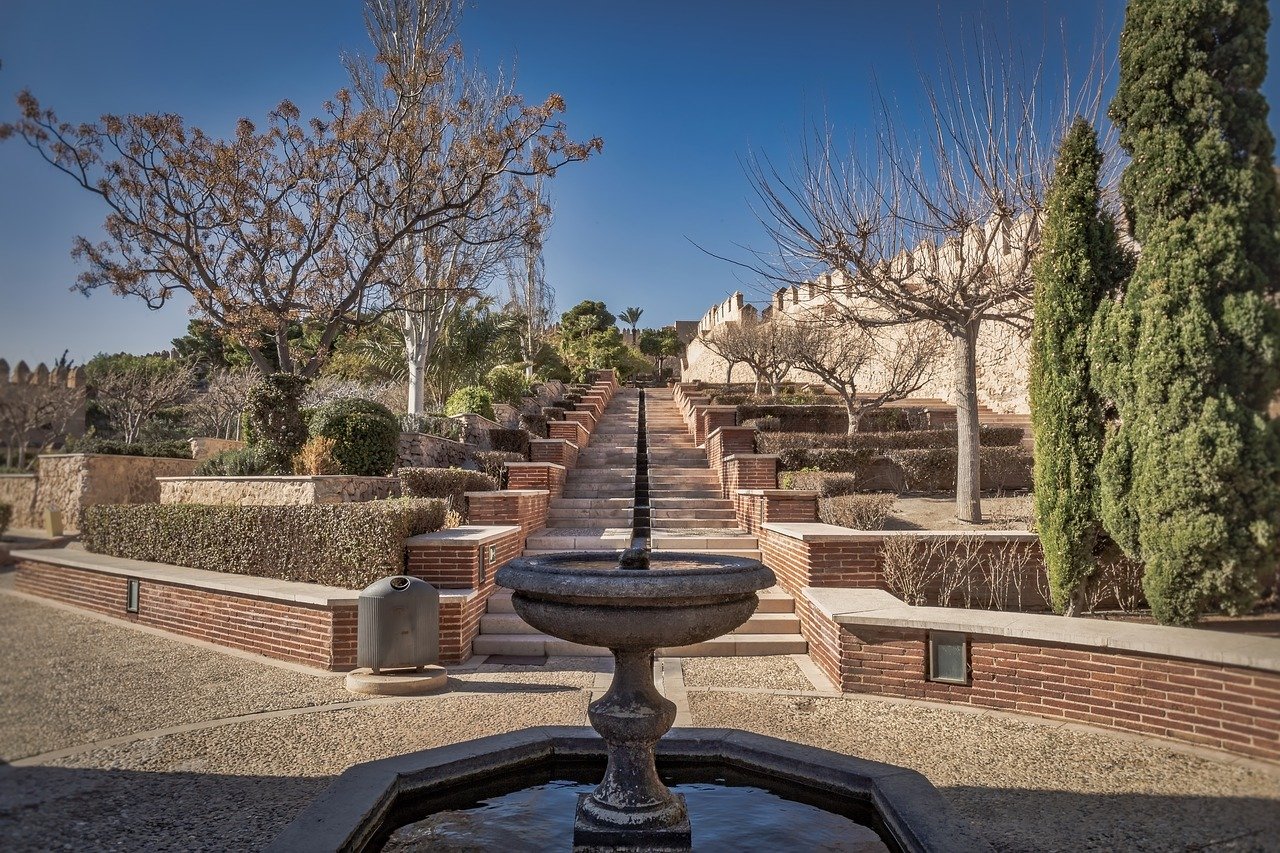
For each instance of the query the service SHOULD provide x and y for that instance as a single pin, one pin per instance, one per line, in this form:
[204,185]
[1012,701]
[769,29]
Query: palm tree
[631,317]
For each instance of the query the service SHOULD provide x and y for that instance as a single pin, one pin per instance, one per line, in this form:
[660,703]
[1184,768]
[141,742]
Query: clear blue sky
[679,89]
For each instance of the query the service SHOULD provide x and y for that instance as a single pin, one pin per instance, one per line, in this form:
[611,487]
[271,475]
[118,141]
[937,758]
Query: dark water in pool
[724,818]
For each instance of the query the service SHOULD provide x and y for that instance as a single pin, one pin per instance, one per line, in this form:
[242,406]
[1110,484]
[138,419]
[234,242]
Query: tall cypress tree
[1192,472]
[1080,261]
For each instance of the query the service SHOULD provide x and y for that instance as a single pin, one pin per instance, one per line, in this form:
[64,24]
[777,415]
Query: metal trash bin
[398,624]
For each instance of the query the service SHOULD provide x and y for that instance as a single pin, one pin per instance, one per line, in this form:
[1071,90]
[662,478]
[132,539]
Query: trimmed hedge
[346,545]
[175,449]
[823,458]
[860,512]
[445,483]
[471,400]
[239,462]
[494,464]
[6,516]
[919,469]
[826,483]
[510,441]
[811,418]
[989,436]
[366,435]
[535,425]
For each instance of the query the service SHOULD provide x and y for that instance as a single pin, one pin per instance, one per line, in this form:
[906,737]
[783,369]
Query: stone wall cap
[752,456]
[806,494]
[269,588]
[280,478]
[816,532]
[721,407]
[535,465]
[877,608]
[506,493]
[478,533]
[29,476]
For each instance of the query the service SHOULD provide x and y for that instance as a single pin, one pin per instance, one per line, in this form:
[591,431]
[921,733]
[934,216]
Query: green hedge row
[6,516]
[921,470]
[988,436]
[344,545]
[174,449]
[445,483]
[860,512]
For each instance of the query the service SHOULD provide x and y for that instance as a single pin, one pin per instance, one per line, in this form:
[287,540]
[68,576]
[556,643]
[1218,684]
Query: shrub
[316,458]
[366,435]
[494,464]
[535,425]
[881,441]
[808,418]
[449,484]
[345,545]
[769,423]
[515,441]
[172,449]
[860,512]
[278,427]
[6,515]
[822,458]
[825,483]
[472,400]
[1001,436]
[240,462]
[507,384]
[927,469]
[1006,467]
[437,425]
[890,420]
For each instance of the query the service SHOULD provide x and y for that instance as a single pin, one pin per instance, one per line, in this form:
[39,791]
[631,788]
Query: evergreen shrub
[859,512]
[238,462]
[366,435]
[450,484]
[471,400]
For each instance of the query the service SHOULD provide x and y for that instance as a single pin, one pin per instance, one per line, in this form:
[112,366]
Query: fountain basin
[368,802]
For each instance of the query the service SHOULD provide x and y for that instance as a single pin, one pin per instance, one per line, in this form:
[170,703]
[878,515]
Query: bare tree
[531,297]
[216,411]
[131,389]
[843,354]
[41,411]
[941,230]
[730,342]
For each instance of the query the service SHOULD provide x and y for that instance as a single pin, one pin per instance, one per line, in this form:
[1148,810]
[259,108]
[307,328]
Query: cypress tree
[1192,469]
[1080,261]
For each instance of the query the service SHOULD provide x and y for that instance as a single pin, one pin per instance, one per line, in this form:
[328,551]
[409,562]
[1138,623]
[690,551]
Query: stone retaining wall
[420,450]
[72,481]
[277,491]
[19,491]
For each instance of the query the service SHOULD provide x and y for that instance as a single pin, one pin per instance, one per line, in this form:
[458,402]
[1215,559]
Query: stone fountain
[633,607]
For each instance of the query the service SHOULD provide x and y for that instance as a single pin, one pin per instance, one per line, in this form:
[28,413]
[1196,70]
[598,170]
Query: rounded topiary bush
[507,383]
[366,435]
[472,400]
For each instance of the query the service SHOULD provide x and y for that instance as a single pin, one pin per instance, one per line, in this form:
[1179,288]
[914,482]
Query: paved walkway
[123,739]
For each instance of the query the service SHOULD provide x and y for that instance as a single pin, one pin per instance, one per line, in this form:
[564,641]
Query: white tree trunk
[417,365]
[968,473]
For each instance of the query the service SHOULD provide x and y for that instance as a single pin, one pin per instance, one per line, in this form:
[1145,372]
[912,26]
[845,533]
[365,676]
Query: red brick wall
[526,508]
[1222,707]
[549,476]
[308,634]
[724,442]
[587,419]
[569,431]
[754,510]
[452,564]
[459,624]
[554,450]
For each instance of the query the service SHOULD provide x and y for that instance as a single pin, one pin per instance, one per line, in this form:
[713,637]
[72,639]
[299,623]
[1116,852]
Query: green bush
[510,441]
[172,449]
[891,420]
[494,463]
[927,469]
[449,484]
[6,516]
[345,545]
[240,462]
[367,435]
[823,458]
[437,425]
[471,400]
[507,384]
[989,436]
[535,425]
[278,428]
[860,512]
[807,418]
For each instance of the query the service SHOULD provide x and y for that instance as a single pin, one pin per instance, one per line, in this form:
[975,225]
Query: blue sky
[679,91]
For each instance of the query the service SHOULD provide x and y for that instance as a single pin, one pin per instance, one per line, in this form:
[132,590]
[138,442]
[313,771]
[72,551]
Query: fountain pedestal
[633,608]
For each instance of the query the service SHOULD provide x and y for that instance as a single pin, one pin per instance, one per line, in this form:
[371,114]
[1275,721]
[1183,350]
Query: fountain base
[657,833]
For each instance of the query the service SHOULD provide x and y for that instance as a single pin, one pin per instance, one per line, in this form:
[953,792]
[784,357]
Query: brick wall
[755,507]
[308,634]
[569,431]
[525,508]
[554,450]
[724,442]
[587,419]
[536,475]
[714,417]
[1231,708]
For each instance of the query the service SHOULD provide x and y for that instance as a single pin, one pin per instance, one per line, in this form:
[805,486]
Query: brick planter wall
[536,475]
[525,508]
[765,506]
[587,419]
[724,442]
[314,634]
[571,431]
[555,450]
[1211,689]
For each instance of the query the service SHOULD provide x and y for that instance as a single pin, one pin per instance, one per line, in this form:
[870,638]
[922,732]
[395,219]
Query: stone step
[590,518]
[585,504]
[694,512]
[711,542]
[664,503]
[663,525]
[573,539]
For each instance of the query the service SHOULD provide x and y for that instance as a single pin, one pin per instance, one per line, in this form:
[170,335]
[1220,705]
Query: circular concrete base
[401,683]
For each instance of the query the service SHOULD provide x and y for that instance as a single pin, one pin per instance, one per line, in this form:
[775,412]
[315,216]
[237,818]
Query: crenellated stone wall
[277,491]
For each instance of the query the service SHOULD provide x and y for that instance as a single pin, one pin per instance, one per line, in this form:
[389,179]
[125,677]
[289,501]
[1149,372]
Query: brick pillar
[569,431]
[724,442]
[526,508]
[536,475]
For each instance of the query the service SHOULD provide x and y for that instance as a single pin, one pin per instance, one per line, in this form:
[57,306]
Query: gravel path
[1032,786]
[91,680]
[772,673]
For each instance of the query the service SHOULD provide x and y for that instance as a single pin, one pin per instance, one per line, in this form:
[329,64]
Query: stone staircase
[688,514]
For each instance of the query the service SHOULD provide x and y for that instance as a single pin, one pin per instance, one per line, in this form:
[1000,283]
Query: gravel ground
[1032,786]
[78,680]
[774,673]
[234,787]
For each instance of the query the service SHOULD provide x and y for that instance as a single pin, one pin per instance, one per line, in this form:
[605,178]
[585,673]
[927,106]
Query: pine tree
[1192,471]
[1080,262]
